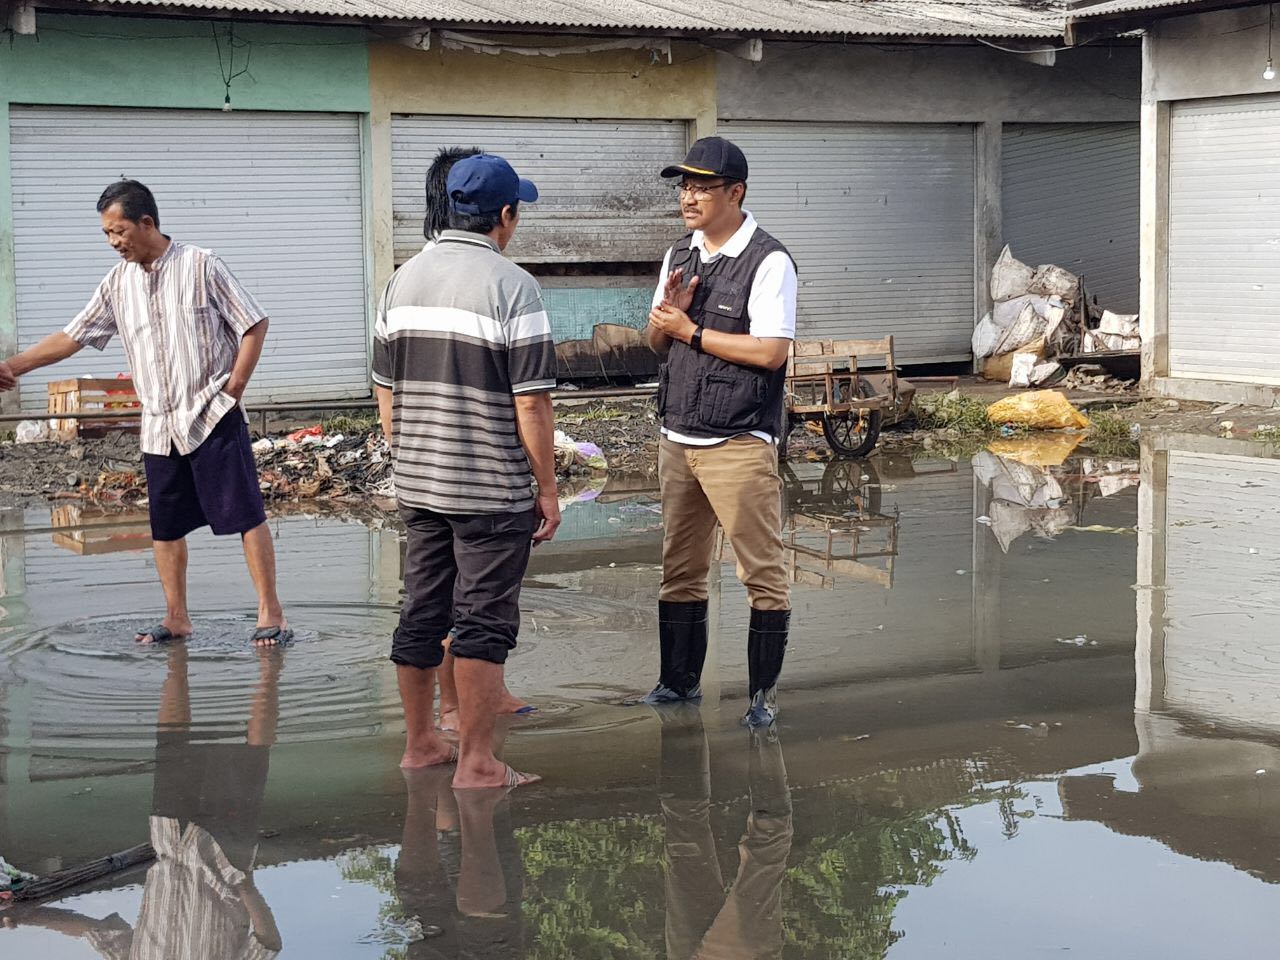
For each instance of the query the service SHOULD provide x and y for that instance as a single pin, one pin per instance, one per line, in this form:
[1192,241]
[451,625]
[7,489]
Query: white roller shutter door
[1222,577]
[1070,197]
[277,195]
[600,197]
[880,220]
[1224,239]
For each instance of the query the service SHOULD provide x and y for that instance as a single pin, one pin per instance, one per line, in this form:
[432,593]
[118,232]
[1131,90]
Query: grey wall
[928,84]
[1210,55]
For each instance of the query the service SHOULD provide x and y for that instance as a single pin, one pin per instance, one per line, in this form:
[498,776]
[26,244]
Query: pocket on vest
[731,402]
[664,380]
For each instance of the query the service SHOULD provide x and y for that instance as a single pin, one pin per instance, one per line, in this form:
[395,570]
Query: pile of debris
[1042,319]
[310,464]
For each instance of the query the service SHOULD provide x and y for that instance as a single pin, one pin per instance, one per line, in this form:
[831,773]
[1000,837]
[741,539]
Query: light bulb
[1270,72]
[226,104]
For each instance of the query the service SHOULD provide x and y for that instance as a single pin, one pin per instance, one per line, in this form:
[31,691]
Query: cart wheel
[844,488]
[852,436]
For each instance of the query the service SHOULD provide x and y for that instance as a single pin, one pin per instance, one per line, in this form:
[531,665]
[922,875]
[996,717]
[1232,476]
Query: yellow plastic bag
[1039,410]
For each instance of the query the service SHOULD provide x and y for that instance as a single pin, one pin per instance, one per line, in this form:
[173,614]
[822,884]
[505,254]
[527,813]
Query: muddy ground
[626,431]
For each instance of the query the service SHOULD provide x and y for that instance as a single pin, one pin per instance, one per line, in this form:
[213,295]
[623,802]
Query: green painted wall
[127,62]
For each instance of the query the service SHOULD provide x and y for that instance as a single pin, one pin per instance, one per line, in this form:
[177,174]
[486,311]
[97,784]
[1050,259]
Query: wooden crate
[90,395]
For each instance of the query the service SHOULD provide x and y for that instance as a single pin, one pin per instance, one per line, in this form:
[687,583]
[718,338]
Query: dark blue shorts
[215,485]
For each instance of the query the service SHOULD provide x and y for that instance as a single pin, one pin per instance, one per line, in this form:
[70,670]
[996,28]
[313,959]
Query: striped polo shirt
[462,330]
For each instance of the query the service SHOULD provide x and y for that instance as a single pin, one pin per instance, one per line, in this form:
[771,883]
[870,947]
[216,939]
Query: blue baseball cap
[485,183]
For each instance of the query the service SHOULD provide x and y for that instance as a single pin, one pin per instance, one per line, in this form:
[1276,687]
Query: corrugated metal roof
[1083,11]
[905,18]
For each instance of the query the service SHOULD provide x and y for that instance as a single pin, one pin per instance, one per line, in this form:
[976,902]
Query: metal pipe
[321,406]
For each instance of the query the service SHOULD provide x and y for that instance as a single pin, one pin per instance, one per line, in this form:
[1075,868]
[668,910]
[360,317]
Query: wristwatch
[695,341]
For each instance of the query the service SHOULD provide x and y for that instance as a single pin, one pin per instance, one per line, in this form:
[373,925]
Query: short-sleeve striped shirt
[180,321]
[460,332]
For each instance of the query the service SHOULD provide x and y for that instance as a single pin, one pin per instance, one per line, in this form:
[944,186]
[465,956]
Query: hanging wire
[228,70]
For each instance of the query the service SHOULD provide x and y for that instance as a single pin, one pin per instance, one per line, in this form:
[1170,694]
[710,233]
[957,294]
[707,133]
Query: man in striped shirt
[464,364]
[193,336]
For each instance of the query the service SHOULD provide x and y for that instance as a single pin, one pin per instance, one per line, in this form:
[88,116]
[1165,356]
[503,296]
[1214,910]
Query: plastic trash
[986,337]
[299,435]
[32,431]
[1038,410]
[1010,277]
[1020,371]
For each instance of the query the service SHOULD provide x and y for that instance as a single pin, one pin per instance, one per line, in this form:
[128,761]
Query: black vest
[704,396]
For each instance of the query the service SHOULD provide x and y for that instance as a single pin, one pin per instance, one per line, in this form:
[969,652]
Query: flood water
[1027,711]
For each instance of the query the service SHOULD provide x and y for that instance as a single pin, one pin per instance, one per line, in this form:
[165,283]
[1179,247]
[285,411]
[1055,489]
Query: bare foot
[179,628]
[448,720]
[509,704]
[431,754]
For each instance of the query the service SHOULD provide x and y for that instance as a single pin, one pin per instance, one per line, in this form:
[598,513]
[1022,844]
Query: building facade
[895,171]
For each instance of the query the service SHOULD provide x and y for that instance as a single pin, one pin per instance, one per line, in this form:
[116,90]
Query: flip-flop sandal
[514,778]
[280,636]
[517,779]
[525,710]
[160,634]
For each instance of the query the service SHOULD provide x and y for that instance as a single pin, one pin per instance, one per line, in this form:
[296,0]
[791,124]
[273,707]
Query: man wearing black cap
[464,364]
[724,317]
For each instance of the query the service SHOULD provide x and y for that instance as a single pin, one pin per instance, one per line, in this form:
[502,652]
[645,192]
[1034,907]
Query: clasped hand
[670,316]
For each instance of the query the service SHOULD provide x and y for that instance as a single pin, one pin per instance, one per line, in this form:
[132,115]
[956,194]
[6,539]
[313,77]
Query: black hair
[135,200]
[729,181]
[437,190]
[479,222]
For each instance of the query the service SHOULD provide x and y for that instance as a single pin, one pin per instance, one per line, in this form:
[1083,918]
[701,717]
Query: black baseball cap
[711,157]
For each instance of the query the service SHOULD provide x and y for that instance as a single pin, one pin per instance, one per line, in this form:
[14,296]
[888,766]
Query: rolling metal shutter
[880,220]
[277,195]
[1070,197]
[1222,528]
[1224,239]
[600,197]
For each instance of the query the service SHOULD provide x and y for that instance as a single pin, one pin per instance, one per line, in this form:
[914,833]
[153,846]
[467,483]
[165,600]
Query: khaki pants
[737,484]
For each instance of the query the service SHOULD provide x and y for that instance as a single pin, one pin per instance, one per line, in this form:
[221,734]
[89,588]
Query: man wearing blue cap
[724,317]
[464,365]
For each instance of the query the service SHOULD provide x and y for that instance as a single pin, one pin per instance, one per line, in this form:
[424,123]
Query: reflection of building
[1208,660]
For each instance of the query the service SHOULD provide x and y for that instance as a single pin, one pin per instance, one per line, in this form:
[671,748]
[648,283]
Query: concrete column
[8,289]
[988,229]
[1154,190]
[380,205]
[1152,527]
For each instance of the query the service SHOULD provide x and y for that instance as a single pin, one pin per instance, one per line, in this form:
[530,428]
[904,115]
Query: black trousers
[462,573]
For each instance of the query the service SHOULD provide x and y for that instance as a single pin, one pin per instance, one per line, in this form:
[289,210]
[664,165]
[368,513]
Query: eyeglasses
[702,191]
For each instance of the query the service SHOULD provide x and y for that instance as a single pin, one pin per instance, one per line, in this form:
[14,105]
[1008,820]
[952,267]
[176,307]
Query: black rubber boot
[682,642]
[766,646]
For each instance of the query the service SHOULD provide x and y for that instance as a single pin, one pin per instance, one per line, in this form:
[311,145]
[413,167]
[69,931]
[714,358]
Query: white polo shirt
[771,309]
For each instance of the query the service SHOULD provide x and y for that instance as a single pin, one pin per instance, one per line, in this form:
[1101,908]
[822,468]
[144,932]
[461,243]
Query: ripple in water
[91,685]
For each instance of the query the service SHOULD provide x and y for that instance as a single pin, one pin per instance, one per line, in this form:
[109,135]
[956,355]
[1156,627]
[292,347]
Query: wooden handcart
[851,387]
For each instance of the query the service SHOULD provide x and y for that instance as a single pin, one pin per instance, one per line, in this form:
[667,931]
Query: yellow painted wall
[618,85]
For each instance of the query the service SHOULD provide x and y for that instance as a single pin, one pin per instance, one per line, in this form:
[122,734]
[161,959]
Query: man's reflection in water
[199,901]
[704,922]
[460,872]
